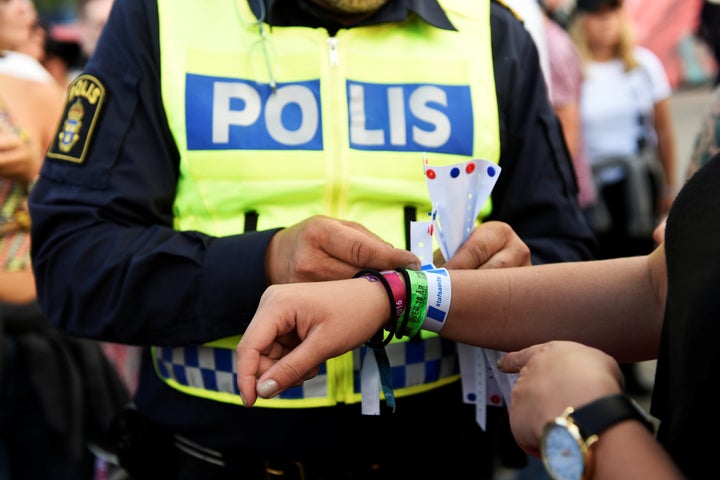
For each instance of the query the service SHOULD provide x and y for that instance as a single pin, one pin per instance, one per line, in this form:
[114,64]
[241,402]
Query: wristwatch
[566,441]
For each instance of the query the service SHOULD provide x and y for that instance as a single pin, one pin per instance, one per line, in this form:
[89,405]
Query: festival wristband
[375,276]
[399,294]
[402,320]
[439,296]
[418,302]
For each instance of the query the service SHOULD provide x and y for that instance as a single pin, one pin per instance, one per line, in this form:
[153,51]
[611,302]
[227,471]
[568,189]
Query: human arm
[558,374]
[20,158]
[17,287]
[29,111]
[591,302]
[569,116]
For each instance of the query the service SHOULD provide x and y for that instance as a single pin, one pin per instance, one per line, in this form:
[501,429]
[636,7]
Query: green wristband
[418,302]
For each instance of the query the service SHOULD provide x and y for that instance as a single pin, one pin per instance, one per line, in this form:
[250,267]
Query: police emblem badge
[85,97]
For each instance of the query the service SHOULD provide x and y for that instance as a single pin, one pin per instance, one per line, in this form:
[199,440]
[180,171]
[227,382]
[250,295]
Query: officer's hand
[298,326]
[491,245]
[553,376]
[322,248]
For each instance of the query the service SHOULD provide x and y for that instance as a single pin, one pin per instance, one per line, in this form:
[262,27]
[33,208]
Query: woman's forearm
[509,309]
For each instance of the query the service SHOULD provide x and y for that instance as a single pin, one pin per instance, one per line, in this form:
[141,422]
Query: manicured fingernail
[499,362]
[268,388]
[243,399]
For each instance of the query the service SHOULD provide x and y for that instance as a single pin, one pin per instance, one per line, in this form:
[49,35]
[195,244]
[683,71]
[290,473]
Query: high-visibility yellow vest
[343,133]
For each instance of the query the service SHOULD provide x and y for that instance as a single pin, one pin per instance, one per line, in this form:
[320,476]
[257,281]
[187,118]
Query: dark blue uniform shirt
[110,266]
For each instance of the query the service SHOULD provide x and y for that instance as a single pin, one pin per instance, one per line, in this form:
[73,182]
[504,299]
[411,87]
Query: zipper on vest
[336,168]
[333,51]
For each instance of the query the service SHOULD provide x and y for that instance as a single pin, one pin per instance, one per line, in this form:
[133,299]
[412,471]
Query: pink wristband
[398,290]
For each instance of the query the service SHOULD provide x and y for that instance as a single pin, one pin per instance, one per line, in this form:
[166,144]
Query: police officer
[199,130]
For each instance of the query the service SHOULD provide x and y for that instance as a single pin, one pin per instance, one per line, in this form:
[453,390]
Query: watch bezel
[586,423]
[565,424]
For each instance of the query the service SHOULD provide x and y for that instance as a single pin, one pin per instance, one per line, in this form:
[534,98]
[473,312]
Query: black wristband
[377,340]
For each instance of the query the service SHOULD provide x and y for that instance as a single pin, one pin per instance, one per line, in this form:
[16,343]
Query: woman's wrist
[417,300]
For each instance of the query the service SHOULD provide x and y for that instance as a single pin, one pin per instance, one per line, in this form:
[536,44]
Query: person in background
[92,16]
[628,133]
[62,56]
[707,139]
[226,146]
[18,31]
[708,30]
[57,394]
[569,323]
[566,71]
[533,19]
[627,129]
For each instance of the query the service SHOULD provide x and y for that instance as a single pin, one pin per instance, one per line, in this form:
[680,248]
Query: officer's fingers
[509,257]
[361,249]
[362,229]
[491,245]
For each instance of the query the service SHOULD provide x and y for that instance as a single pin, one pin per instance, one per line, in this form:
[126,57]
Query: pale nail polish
[268,388]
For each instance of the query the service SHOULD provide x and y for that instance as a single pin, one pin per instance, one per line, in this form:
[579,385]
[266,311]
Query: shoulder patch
[85,98]
[512,10]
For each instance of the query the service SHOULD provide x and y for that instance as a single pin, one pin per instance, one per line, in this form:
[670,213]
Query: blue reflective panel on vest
[410,117]
[209,379]
[179,374]
[192,359]
[224,360]
[228,114]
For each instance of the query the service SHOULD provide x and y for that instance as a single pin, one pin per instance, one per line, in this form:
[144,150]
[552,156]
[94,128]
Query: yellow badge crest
[85,97]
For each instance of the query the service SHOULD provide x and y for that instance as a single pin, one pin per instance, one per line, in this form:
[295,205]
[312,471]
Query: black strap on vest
[410,216]
[251,219]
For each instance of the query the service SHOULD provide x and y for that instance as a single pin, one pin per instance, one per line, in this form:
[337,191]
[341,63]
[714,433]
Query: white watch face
[562,453]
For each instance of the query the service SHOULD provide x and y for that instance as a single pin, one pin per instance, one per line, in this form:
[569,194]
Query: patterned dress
[14,216]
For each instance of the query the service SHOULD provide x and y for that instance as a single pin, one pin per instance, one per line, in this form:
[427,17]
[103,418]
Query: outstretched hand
[299,326]
[553,376]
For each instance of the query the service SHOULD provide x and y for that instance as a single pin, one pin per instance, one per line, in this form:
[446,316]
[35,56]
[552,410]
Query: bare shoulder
[34,105]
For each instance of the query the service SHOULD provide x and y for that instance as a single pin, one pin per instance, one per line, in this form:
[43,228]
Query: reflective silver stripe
[213,369]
